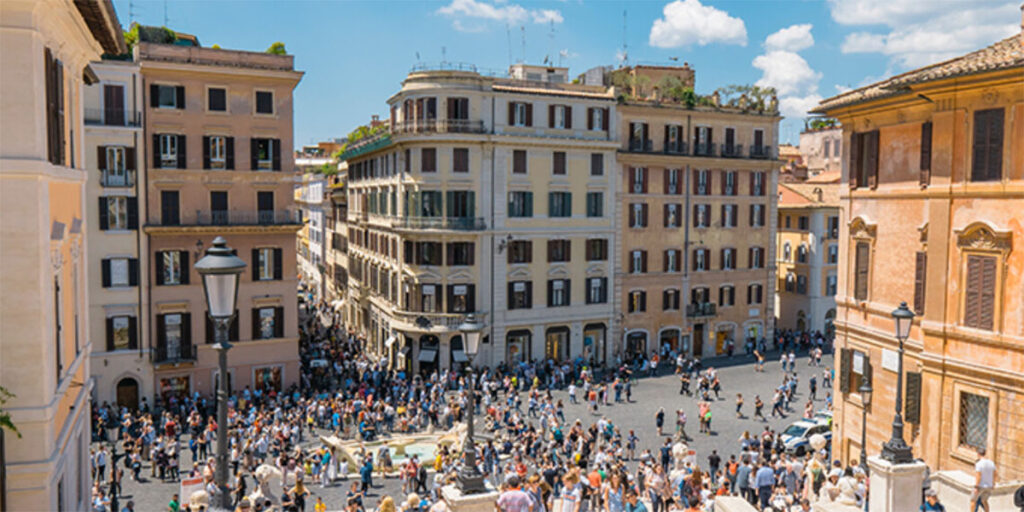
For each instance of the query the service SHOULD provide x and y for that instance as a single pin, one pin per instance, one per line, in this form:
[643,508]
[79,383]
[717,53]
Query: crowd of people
[560,464]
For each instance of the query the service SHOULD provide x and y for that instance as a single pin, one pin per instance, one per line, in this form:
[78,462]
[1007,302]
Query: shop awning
[403,352]
[428,356]
[459,356]
[390,341]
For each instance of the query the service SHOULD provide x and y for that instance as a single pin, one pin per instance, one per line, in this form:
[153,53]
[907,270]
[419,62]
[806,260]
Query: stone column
[895,487]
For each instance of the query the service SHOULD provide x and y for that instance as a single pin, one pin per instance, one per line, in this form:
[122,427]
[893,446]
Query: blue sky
[355,53]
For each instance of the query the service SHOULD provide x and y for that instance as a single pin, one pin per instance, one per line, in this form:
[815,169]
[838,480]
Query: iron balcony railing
[230,218]
[704,149]
[117,179]
[183,352]
[761,152]
[112,117]
[641,146]
[732,150]
[677,148]
[449,223]
[700,309]
[428,321]
[440,126]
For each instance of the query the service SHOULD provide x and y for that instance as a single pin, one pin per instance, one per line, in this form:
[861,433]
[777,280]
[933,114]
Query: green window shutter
[845,360]
[529,204]
[449,203]
[471,203]
[912,403]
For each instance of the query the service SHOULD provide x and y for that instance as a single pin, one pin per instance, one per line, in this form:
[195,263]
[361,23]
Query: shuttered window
[864,159]
[912,403]
[926,153]
[861,269]
[987,164]
[979,303]
[920,275]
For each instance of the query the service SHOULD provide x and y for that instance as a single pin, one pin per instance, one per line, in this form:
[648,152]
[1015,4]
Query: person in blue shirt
[764,479]
[931,502]
[633,503]
[366,474]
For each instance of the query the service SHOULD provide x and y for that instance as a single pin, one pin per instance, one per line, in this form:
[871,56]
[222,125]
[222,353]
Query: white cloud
[469,15]
[793,38]
[796,107]
[916,33]
[841,88]
[686,22]
[787,72]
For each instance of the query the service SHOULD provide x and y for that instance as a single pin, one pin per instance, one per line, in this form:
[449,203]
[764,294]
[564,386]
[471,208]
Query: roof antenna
[508,34]
[551,41]
[165,13]
[522,28]
[131,12]
[444,55]
[625,47]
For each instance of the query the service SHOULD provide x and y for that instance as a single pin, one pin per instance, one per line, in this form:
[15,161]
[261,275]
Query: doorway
[128,393]
[698,340]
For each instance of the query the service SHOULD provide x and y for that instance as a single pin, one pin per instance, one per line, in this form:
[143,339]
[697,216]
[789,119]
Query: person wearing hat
[931,502]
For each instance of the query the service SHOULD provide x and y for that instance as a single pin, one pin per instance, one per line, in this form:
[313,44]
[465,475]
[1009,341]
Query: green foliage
[757,96]
[821,123]
[329,169]
[277,49]
[5,417]
[215,46]
[137,33]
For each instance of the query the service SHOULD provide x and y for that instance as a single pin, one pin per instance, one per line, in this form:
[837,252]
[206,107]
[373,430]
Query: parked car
[796,437]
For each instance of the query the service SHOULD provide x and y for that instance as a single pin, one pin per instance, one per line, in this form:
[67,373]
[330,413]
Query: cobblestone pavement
[737,376]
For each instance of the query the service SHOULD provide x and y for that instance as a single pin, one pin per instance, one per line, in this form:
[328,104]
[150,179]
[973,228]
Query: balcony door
[265,206]
[113,105]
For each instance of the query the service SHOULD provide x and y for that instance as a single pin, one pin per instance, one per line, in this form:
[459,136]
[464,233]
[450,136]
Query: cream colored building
[45,340]
[807,257]
[311,202]
[336,238]
[118,295]
[821,150]
[488,195]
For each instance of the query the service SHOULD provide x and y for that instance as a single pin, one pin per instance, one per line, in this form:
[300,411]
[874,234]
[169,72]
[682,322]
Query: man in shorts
[983,482]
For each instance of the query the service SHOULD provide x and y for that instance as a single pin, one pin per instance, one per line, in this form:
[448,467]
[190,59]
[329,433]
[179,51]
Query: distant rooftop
[213,56]
[808,195]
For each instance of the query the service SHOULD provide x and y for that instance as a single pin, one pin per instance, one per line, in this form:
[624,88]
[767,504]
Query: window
[638,180]
[730,212]
[973,419]
[826,151]
[833,226]
[266,323]
[169,208]
[217,99]
[729,259]
[638,137]
[833,254]
[267,264]
[597,290]
[596,164]
[597,249]
[429,302]
[757,215]
[264,102]
[637,301]
[674,139]
[801,285]
[790,282]
[701,215]
[864,159]
[755,293]
[830,285]
[802,223]
[987,162]
[862,264]
[458,108]
[700,295]
[54,108]
[520,295]
[168,156]
[701,260]
[559,204]
[979,299]
[114,212]
[520,251]
[920,276]
[520,114]
[266,155]
[672,185]
[757,183]
[756,257]
[670,300]
[595,204]
[558,163]
[560,117]
[637,262]
[558,292]
[701,182]
[172,267]
[519,161]
[216,148]
[113,161]
[638,215]
[801,254]
[727,295]
[759,148]
[460,160]
[219,208]
[461,298]
[427,253]
[428,160]
[673,216]
[787,221]
[559,250]
[597,119]
[925,164]
[702,141]
[119,272]
[787,251]
[520,204]
[729,183]
[460,253]
[671,259]
[167,96]
[121,333]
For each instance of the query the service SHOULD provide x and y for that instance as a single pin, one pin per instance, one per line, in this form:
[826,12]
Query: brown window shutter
[862,265]
[643,261]
[568,250]
[644,174]
[845,360]
[855,140]
[643,215]
[590,118]
[568,117]
[101,157]
[751,176]
[529,114]
[551,250]
[664,176]
[872,159]
[988,298]
[511,112]
[604,120]
[926,152]
[912,403]
[920,274]
[645,136]
[551,122]
[129,158]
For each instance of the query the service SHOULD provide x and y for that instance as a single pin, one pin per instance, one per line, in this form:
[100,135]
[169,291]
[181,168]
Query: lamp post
[220,270]
[469,479]
[896,450]
[865,402]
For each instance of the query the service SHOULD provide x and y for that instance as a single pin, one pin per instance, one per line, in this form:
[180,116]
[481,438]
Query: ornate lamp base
[897,451]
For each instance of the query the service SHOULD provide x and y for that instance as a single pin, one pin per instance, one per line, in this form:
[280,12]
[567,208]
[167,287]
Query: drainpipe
[490,328]
[686,240]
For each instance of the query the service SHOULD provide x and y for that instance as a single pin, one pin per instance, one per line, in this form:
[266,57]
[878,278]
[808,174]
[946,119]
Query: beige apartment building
[118,295]
[696,218]
[218,134]
[490,196]
[807,257]
[336,238]
[45,341]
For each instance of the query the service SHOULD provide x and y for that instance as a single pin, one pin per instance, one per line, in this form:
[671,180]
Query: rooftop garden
[672,90]
[360,140]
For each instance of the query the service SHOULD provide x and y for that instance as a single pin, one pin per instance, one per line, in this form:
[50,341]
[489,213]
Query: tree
[757,96]
[5,417]
[277,49]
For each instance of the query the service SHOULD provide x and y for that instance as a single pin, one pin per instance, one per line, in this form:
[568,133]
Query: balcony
[761,152]
[732,150]
[696,310]
[184,353]
[111,117]
[430,322]
[704,149]
[117,179]
[440,126]
[640,146]
[230,218]
[677,148]
[442,223]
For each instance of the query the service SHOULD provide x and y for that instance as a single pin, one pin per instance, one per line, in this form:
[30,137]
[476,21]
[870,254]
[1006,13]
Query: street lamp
[896,450]
[469,479]
[865,402]
[220,270]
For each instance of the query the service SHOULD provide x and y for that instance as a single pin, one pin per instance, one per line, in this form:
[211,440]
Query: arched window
[801,253]
[787,251]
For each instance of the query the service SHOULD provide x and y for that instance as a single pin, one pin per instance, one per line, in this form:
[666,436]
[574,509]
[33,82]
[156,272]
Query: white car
[796,437]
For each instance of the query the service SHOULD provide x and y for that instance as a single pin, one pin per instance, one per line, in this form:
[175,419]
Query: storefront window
[556,343]
[177,387]
[268,378]
[594,342]
[518,346]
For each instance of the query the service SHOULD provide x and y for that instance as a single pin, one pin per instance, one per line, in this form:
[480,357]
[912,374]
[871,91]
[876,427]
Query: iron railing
[700,309]
[449,223]
[112,117]
[184,352]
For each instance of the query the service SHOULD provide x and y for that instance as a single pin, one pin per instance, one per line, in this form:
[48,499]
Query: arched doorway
[636,344]
[556,344]
[671,338]
[429,346]
[801,321]
[594,342]
[128,393]
[457,358]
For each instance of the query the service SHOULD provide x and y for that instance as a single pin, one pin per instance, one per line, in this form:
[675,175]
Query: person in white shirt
[984,481]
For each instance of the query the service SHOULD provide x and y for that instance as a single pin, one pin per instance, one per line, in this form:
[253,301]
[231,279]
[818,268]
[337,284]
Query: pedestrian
[984,481]
[739,406]
[931,502]
[659,420]
[758,405]
[813,383]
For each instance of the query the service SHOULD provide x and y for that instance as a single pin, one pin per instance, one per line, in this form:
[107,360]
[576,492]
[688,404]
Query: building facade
[336,238]
[45,343]
[933,181]
[807,257]
[821,150]
[218,132]
[695,215]
[487,195]
[311,202]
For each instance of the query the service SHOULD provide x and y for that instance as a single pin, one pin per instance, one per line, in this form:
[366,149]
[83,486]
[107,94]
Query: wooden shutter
[206,152]
[551,116]
[229,153]
[104,219]
[604,119]
[511,114]
[988,145]
[760,216]
[255,324]
[254,152]
[133,212]
[129,158]
[643,261]
[154,95]
[926,152]
[912,402]
[159,260]
[979,300]
[133,272]
[871,163]
[855,140]
[179,93]
[845,365]
[156,151]
[644,173]
[664,146]
[643,215]
[105,272]
[133,332]
[590,118]
[255,264]
[278,254]
[110,334]
[568,126]
[277,154]
[644,143]
[101,157]
[182,156]
[861,268]
[186,331]
[186,269]
[920,275]
[529,114]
